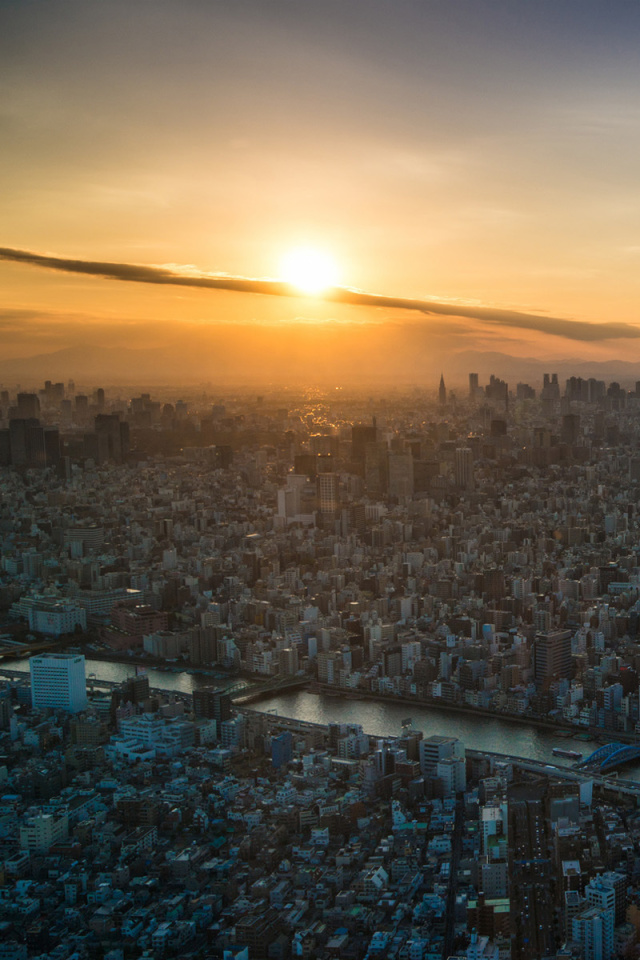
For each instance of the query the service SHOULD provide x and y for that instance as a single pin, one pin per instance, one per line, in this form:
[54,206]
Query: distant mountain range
[304,356]
[87,364]
[515,369]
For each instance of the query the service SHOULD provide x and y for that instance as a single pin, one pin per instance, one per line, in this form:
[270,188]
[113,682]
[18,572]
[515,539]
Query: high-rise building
[18,441]
[570,428]
[525,392]
[434,749]
[58,681]
[288,661]
[473,385]
[214,704]
[442,392]
[551,656]
[281,749]
[108,427]
[28,406]
[550,387]
[497,390]
[328,493]
[376,469]
[31,445]
[609,890]
[452,773]
[464,468]
[593,929]
[400,475]
[362,434]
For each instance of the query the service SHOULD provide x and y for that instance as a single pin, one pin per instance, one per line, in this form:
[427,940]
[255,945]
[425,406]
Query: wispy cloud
[190,277]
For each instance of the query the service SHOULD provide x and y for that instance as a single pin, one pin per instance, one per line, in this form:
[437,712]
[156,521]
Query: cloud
[189,277]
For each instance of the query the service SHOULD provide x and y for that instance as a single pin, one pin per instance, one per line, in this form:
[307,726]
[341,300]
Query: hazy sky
[474,153]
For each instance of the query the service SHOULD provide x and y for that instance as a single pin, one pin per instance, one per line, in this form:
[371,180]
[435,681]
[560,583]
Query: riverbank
[612,788]
[559,728]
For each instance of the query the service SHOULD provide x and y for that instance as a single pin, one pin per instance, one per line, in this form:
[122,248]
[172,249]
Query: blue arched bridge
[610,756]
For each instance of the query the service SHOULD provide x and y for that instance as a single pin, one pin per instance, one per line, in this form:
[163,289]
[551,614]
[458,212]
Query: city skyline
[465,169]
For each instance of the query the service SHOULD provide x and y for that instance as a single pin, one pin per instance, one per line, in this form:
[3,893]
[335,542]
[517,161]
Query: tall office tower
[5,448]
[525,392]
[36,453]
[442,392]
[52,446]
[498,391]
[109,433]
[124,439]
[464,468]
[18,442]
[362,435]
[376,469]
[58,681]
[551,657]
[570,428]
[27,442]
[400,475]
[328,493]
[473,385]
[550,387]
[28,406]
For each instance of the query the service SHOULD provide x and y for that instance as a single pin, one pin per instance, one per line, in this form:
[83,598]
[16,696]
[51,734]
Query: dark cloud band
[135,273]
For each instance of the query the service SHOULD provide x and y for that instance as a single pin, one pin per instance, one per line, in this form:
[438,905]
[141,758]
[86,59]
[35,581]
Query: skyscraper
[58,681]
[328,493]
[28,406]
[464,468]
[442,392]
[400,475]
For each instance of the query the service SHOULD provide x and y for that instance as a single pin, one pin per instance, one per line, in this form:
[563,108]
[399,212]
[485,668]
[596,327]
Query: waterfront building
[58,682]
[435,749]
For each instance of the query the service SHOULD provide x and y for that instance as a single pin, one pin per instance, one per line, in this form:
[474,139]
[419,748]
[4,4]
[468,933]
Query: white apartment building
[42,831]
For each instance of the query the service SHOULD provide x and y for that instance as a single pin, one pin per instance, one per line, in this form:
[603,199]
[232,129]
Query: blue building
[281,749]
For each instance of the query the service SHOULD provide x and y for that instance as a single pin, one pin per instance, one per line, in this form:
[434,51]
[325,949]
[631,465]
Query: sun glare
[310,270]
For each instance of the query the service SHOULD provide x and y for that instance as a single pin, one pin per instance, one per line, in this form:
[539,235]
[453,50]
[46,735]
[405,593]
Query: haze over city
[319,480]
[424,187]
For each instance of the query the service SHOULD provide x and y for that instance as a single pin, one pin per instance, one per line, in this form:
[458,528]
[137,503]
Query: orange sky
[469,152]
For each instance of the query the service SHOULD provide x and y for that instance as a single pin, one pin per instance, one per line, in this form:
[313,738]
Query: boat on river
[566,754]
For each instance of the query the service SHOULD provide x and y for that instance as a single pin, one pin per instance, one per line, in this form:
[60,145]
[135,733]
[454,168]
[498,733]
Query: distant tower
[442,392]
[473,385]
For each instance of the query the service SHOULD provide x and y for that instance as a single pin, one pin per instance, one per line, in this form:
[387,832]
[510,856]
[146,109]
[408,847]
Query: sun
[309,269]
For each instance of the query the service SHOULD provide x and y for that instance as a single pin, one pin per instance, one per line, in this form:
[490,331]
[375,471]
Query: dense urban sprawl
[477,552]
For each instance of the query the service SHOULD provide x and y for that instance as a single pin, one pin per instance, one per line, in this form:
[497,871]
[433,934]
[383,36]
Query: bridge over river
[610,756]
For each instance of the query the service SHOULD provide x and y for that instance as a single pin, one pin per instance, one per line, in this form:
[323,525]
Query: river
[376,717]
